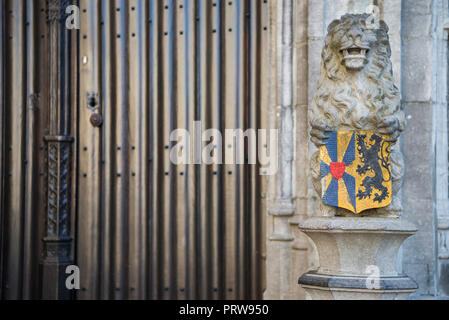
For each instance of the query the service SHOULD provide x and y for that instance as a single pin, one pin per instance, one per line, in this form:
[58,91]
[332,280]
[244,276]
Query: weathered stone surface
[417,70]
[279,281]
[349,249]
[418,26]
[315,48]
[418,252]
[420,273]
[417,7]
[417,152]
[315,19]
[300,20]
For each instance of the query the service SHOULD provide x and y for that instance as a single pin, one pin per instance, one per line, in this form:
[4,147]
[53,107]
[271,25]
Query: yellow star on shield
[356,170]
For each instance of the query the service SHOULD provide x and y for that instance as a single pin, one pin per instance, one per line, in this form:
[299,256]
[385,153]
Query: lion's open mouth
[354,58]
[354,52]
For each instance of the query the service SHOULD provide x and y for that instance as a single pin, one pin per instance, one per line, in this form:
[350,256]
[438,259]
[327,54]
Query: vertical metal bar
[213,101]
[167,116]
[143,145]
[89,147]
[41,118]
[156,174]
[204,35]
[197,150]
[250,178]
[164,118]
[164,121]
[230,91]
[240,109]
[179,173]
[30,183]
[134,171]
[191,185]
[121,223]
[208,213]
[219,122]
[263,70]
[2,140]
[146,146]
[206,183]
[15,109]
[137,129]
[254,264]
[108,145]
[247,201]
[144,154]
[254,181]
[172,97]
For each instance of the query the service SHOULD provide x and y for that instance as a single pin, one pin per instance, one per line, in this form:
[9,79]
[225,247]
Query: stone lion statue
[356,91]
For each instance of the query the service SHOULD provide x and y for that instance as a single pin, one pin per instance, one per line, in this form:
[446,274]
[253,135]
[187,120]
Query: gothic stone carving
[356,92]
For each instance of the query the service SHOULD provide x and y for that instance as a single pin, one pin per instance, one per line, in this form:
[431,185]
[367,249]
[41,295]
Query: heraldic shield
[356,170]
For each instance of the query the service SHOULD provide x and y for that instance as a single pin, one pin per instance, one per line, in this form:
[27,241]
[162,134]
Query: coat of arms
[356,170]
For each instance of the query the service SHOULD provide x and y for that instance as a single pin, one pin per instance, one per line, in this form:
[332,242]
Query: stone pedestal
[358,259]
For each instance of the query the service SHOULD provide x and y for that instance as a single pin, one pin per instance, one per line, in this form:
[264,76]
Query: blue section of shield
[350,186]
[325,169]
[331,146]
[350,152]
[331,196]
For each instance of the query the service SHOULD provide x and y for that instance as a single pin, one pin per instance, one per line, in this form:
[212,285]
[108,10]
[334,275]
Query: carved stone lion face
[354,46]
[352,39]
[356,86]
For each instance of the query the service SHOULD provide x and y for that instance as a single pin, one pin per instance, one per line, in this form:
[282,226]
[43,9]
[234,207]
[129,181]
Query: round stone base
[358,258]
[339,287]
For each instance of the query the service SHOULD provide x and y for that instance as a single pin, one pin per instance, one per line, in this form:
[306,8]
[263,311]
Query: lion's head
[356,86]
[352,43]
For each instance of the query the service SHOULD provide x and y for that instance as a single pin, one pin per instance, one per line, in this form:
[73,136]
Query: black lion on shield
[373,161]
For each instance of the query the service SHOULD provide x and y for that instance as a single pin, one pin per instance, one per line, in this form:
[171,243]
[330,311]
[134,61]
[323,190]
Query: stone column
[281,209]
